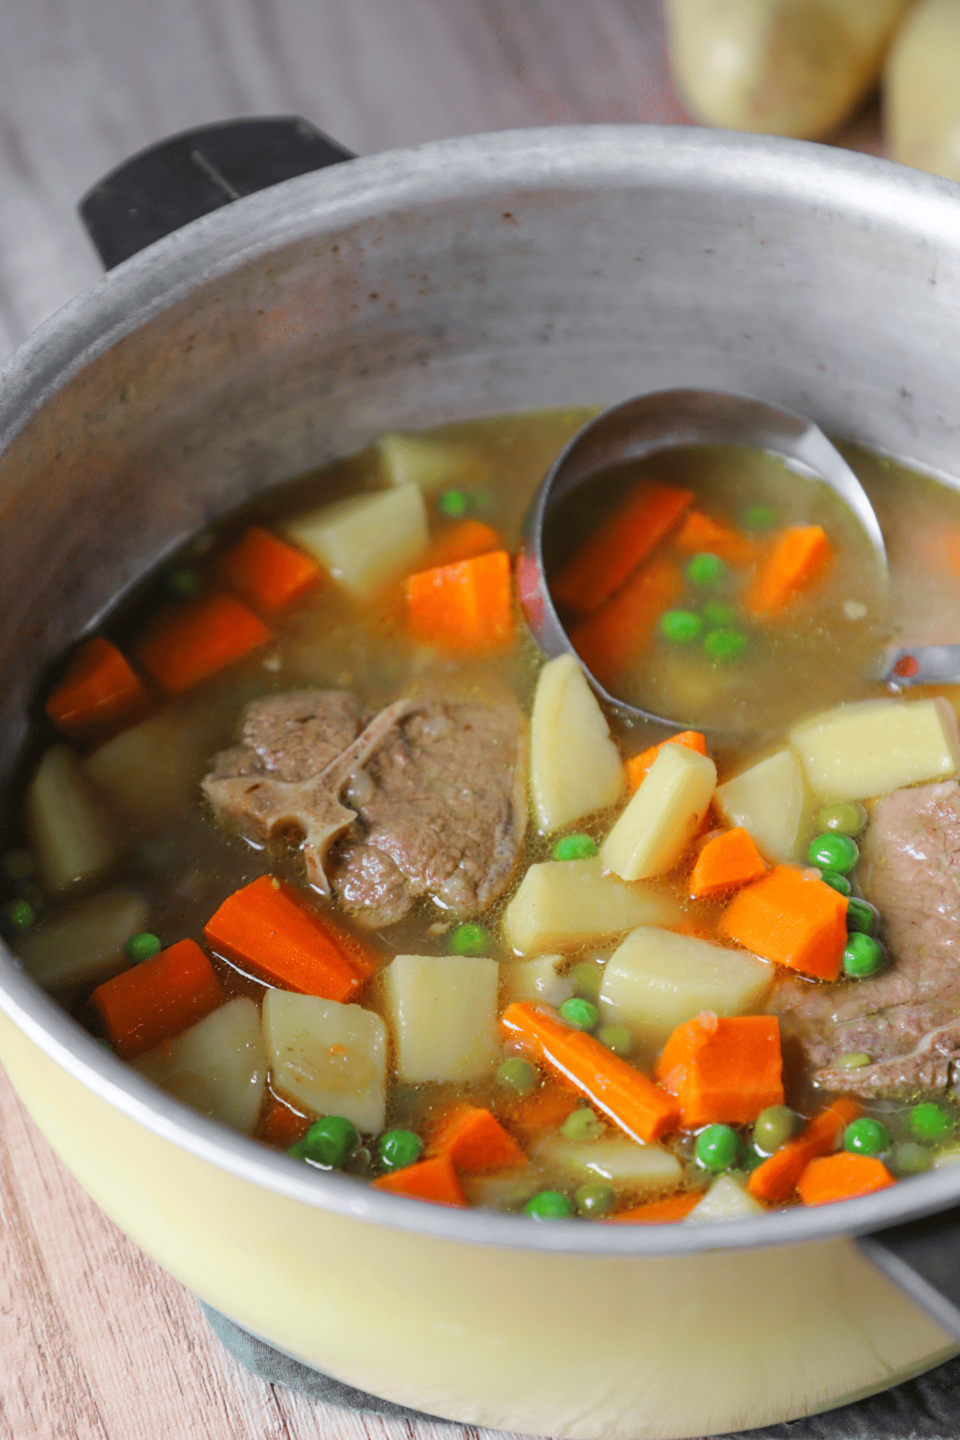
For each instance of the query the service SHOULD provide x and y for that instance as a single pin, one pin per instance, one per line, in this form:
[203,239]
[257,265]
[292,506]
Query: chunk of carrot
[191,641]
[157,999]
[462,541]
[475,1140]
[726,861]
[543,1109]
[619,545]
[796,562]
[723,1069]
[98,689]
[268,572]
[659,1212]
[615,634]
[265,927]
[638,765]
[467,606]
[792,918]
[282,1126]
[775,1179]
[641,1108]
[699,532]
[433,1179]
[841,1177]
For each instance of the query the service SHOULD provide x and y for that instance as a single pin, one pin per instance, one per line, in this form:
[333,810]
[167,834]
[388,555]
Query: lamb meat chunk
[907,1018]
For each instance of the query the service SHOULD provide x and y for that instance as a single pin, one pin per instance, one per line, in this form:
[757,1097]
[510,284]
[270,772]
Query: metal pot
[504,272]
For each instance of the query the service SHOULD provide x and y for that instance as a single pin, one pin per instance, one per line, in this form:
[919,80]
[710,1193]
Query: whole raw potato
[921,95]
[779,67]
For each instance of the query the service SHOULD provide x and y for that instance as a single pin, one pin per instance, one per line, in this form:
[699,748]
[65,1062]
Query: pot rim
[320,205]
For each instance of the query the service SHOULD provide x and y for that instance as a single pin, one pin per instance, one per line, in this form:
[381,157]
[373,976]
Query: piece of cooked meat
[907,1018]
[436,791]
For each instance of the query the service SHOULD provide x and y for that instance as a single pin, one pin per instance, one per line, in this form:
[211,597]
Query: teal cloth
[927,1408]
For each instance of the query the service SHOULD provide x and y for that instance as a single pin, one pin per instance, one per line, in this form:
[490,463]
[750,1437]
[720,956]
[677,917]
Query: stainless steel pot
[503,272]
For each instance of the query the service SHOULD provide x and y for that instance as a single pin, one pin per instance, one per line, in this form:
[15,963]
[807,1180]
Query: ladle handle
[923,1257]
[177,180]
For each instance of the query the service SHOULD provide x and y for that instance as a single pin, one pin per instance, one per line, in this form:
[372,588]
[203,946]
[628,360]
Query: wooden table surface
[96,1342]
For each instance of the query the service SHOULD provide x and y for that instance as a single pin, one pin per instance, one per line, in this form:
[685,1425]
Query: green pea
[19,915]
[575,847]
[184,584]
[594,1200]
[586,978]
[548,1205]
[758,517]
[453,503]
[359,1162]
[18,865]
[862,956]
[928,1121]
[142,946]
[581,1014]
[328,1143]
[725,645]
[908,1158]
[833,852]
[836,881]
[582,1124]
[30,891]
[718,612]
[469,939]
[518,1074]
[853,1060]
[398,1148]
[680,626]
[751,1158]
[774,1126]
[705,570]
[846,817]
[616,1038]
[717,1147]
[866,1137]
[862,917]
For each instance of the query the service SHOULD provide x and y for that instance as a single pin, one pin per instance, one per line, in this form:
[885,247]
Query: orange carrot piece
[616,634]
[544,1109]
[265,927]
[792,918]
[621,543]
[775,1178]
[157,999]
[281,1125]
[629,1099]
[726,861]
[467,606]
[98,688]
[659,1212]
[841,1177]
[699,532]
[475,1140]
[638,765]
[462,541]
[433,1179]
[794,565]
[723,1069]
[192,641]
[268,572]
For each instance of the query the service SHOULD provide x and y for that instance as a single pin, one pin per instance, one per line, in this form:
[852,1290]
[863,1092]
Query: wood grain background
[96,1342]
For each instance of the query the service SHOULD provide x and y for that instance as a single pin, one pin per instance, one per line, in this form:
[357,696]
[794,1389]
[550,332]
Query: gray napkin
[927,1408]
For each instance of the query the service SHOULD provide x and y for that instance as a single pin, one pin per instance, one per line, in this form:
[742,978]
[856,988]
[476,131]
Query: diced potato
[538,980]
[725,1200]
[657,980]
[151,771]
[70,833]
[662,818]
[772,802]
[219,1065]
[504,1189]
[84,945]
[563,904]
[442,1011]
[858,751]
[332,1058]
[575,768]
[421,460]
[367,540]
[623,1162]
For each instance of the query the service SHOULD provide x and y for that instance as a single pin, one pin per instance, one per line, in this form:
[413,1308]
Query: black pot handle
[923,1257]
[180,179]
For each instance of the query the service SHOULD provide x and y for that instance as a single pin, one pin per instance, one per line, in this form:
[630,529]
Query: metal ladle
[666,420]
